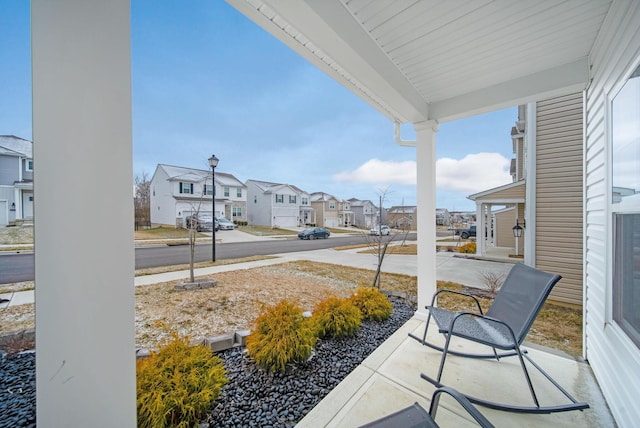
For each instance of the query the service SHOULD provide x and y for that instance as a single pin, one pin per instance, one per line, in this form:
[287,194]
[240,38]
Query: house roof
[508,193]
[269,187]
[321,196]
[402,209]
[437,60]
[181,173]
[15,146]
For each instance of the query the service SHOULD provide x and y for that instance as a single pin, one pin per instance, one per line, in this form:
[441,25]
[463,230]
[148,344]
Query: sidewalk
[449,267]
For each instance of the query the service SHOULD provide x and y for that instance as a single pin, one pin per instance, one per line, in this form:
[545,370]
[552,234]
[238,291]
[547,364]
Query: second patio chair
[504,327]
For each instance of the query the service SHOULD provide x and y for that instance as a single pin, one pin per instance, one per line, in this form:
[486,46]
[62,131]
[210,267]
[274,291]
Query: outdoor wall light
[517,230]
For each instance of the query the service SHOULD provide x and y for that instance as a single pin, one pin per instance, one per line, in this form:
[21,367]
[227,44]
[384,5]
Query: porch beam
[561,80]
[84,259]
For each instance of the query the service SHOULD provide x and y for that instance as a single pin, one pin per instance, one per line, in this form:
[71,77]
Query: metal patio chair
[504,327]
[415,416]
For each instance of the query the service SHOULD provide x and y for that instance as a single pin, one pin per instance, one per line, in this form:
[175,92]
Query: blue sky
[206,80]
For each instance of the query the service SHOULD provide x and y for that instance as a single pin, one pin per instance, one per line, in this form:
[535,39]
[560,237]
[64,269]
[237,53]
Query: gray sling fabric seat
[503,327]
[415,416]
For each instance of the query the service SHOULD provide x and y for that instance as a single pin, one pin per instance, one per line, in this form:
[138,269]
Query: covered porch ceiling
[417,60]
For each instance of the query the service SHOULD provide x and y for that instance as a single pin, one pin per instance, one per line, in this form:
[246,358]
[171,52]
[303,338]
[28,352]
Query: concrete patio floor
[389,380]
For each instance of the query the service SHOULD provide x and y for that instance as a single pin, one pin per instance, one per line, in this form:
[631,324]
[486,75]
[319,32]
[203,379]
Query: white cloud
[380,172]
[473,173]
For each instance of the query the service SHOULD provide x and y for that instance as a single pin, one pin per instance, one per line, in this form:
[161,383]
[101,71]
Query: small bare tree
[142,201]
[378,243]
[492,281]
[192,225]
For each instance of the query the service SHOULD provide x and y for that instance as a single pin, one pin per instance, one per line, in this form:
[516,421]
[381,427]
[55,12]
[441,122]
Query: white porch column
[84,260]
[426,197]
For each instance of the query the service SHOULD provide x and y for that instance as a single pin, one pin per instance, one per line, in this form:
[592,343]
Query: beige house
[547,173]
[403,217]
[327,209]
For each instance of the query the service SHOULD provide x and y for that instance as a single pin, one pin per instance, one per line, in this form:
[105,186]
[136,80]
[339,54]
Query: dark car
[465,233]
[314,233]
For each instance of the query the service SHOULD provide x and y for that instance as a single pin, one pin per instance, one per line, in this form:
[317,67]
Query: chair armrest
[460,293]
[463,401]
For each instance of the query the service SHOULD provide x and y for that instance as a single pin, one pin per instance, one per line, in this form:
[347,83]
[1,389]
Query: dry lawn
[240,295]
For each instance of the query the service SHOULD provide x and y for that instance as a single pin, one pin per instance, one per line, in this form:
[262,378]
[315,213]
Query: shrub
[469,248]
[176,385]
[336,317]
[372,303]
[281,335]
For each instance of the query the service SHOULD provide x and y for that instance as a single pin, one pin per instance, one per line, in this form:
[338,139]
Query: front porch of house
[389,380]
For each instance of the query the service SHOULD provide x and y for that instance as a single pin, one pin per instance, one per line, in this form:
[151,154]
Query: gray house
[365,214]
[16,180]
[277,204]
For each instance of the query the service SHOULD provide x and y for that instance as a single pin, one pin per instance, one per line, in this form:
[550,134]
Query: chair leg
[527,377]
[444,356]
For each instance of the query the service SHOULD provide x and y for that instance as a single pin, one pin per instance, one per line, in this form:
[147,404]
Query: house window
[29,165]
[279,199]
[305,201]
[239,192]
[332,205]
[186,188]
[237,212]
[255,199]
[292,199]
[226,191]
[625,206]
[208,189]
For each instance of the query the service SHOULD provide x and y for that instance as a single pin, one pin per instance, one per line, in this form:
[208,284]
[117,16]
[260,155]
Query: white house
[418,63]
[277,205]
[16,179]
[177,192]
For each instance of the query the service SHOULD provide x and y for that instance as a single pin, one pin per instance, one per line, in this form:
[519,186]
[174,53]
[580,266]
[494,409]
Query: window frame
[624,208]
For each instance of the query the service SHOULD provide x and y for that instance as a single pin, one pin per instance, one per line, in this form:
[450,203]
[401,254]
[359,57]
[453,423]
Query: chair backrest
[521,297]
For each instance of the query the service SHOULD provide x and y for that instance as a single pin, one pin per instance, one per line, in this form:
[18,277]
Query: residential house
[390,54]
[462,217]
[443,218]
[327,208]
[403,217]
[545,197]
[278,205]
[177,192]
[365,214]
[345,214]
[16,180]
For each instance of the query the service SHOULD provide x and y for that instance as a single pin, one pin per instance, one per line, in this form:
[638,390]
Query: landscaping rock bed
[252,398]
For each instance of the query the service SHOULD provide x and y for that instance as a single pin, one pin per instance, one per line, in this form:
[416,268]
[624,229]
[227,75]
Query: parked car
[465,233]
[225,223]
[201,222]
[384,230]
[314,233]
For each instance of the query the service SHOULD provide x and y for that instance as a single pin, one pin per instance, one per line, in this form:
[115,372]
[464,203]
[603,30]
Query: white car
[384,230]
[225,224]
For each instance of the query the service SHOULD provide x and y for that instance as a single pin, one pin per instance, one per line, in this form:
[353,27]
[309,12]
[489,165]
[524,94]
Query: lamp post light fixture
[213,163]
[517,232]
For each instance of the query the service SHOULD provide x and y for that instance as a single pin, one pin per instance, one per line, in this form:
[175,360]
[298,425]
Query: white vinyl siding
[559,140]
[613,357]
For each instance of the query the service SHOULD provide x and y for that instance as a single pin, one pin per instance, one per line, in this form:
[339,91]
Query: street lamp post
[213,162]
